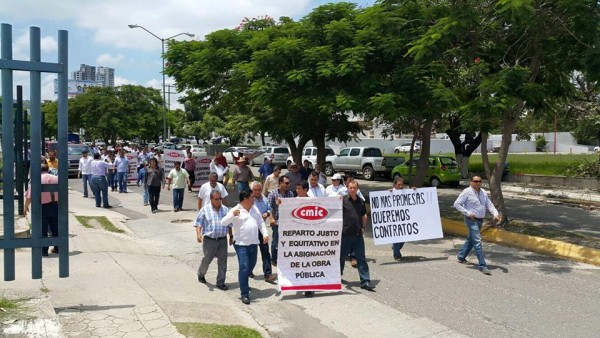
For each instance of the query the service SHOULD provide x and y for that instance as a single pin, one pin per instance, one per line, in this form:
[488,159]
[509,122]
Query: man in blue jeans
[85,171]
[122,166]
[247,223]
[473,203]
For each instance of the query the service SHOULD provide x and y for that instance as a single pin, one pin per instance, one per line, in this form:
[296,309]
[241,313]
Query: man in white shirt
[247,223]
[336,188]
[206,188]
[85,171]
[315,189]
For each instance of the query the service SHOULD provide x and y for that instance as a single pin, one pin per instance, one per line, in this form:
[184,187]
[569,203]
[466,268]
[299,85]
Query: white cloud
[119,81]
[21,46]
[109,60]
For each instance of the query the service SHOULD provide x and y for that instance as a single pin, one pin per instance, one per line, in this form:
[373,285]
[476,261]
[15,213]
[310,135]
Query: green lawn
[534,163]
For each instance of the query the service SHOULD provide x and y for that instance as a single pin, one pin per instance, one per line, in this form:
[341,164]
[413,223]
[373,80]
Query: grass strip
[202,330]
[87,221]
[8,308]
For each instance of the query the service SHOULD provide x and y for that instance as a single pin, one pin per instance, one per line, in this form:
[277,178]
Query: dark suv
[74,154]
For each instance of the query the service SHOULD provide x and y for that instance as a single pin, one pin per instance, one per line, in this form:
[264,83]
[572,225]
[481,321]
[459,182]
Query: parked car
[368,161]
[73,153]
[278,154]
[232,152]
[196,149]
[405,148]
[442,170]
[310,154]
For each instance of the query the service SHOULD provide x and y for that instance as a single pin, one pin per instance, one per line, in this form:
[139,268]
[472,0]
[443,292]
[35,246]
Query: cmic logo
[310,212]
[174,154]
[205,160]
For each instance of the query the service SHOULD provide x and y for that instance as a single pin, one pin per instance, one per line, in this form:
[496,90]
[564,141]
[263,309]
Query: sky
[99,35]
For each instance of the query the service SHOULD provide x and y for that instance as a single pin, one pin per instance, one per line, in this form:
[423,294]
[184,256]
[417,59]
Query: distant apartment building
[106,75]
[88,76]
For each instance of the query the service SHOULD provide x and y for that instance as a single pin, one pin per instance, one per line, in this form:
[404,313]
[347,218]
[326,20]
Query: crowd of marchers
[253,208]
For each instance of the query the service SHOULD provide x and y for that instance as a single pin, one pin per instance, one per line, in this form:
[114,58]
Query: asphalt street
[527,295]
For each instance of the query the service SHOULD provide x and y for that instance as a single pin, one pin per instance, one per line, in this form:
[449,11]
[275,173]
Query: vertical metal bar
[35,98]
[19,149]
[63,160]
[7,145]
[165,138]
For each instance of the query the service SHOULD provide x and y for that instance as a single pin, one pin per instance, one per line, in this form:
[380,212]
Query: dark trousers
[154,194]
[192,179]
[212,248]
[264,255]
[49,222]
[357,244]
[178,198]
[274,242]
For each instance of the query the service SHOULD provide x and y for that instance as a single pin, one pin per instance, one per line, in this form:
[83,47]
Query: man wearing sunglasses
[473,202]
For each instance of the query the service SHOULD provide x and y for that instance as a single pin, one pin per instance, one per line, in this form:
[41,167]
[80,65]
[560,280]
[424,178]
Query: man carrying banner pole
[354,225]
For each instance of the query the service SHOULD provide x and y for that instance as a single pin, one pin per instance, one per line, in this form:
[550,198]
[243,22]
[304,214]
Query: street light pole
[163,72]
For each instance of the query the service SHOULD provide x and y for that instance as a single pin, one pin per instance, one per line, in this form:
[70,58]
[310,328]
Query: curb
[541,245]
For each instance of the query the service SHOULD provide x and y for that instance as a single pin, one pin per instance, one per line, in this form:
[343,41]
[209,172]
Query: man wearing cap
[294,176]
[242,176]
[315,189]
[85,171]
[336,188]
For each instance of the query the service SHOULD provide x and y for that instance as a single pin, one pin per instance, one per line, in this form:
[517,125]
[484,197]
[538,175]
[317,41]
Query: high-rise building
[85,73]
[106,75]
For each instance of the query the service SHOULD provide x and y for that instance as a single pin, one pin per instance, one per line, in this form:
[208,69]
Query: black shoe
[201,279]
[251,275]
[461,260]
[367,286]
[54,250]
[222,287]
[274,263]
[246,300]
[309,294]
[107,206]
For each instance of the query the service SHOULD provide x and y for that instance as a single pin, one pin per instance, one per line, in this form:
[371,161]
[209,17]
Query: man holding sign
[355,223]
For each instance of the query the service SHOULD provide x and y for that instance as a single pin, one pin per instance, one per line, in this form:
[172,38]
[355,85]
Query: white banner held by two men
[310,234]
[202,165]
[407,215]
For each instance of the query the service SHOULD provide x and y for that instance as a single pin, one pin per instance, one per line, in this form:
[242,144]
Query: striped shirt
[210,220]
[470,201]
[273,196]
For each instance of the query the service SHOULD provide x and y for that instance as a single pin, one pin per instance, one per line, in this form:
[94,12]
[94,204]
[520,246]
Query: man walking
[274,200]
[247,223]
[206,188]
[189,164]
[272,181]
[122,165]
[98,181]
[213,236]
[473,202]
[354,226]
[262,204]
[178,178]
[242,176]
[85,171]
[316,189]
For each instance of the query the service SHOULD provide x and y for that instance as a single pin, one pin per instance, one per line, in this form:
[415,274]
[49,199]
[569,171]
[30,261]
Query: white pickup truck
[368,161]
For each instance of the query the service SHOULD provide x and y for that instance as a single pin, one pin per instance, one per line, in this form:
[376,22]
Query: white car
[196,149]
[405,148]
[278,154]
[310,154]
[232,152]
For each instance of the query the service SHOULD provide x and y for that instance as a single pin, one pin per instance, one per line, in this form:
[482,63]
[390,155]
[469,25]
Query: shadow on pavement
[415,259]
[82,308]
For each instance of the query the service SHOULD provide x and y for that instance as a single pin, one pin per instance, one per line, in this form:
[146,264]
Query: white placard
[202,165]
[405,216]
[132,172]
[310,234]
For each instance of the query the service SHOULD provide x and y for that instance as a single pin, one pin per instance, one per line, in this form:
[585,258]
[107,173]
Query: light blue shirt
[262,204]
[99,167]
[470,201]
[122,164]
[210,220]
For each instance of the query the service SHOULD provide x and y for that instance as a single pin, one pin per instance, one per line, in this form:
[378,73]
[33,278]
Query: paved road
[427,294]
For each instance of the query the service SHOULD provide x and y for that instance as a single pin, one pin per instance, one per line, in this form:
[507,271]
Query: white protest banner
[310,233]
[202,165]
[406,215]
[202,170]
[132,168]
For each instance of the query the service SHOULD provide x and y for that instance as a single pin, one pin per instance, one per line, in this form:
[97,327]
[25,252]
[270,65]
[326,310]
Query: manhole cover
[181,221]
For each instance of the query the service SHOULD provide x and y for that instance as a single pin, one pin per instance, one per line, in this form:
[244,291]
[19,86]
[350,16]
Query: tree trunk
[423,164]
[463,164]
[296,149]
[319,142]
